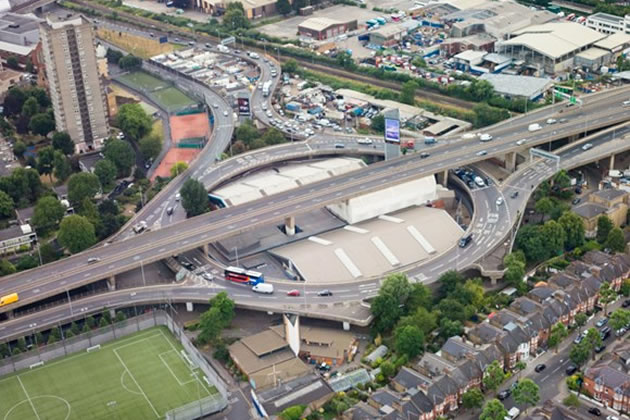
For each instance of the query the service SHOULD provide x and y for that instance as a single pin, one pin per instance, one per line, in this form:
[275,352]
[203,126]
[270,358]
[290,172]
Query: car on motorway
[465,240]
[264,288]
[562,120]
[534,127]
[469,136]
[514,194]
[485,137]
[539,368]
[365,140]
[294,292]
[601,322]
[521,142]
[626,103]
[208,46]
[481,153]
[215,105]
[225,113]
[570,370]
[424,155]
[269,114]
[551,121]
[587,146]
[505,394]
[93,260]
[340,146]
[595,411]
[325,292]
[499,201]
[169,211]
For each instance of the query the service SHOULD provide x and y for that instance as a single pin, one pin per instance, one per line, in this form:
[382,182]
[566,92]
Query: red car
[293,292]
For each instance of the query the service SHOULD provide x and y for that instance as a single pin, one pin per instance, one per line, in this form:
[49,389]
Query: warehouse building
[388,35]
[320,28]
[253,8]
[517,87]
[550,48]
[592,59]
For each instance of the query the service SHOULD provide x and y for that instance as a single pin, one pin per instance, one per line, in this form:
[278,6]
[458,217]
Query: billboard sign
[392,130]
[243,106]
[163,40]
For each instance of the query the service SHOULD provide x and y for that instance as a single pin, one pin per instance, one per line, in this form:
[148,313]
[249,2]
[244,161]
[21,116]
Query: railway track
[424,94]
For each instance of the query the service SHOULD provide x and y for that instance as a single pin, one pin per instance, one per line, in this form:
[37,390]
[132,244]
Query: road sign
[545,155]
[163,40]
[229,40]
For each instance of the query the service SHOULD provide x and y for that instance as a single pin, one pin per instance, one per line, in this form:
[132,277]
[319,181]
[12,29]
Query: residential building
[17,239]
[76,93]
[320,28]
[608,380]
[610,202]
[309,390]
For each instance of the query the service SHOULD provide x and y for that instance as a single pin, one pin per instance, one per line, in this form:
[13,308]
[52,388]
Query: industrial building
[254,9]
[550,48]
[607,23]
[387,35]
[517,87]
[76,92]
[19,38]
[320,28]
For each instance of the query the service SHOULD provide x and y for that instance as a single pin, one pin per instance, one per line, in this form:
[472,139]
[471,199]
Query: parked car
[626,303]
[570,370]
[595,411]
[539,368]
[514,194]
[601,322]
[600,349]
[503,395]
[499,201]
[576,200]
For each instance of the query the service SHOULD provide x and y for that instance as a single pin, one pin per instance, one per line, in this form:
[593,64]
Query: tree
[102,323]
[88,210]
[90,322]
[121,154]
[6,267]
[26,262]
[579,353]
[473,398]
[529,240]
[45,160]
[580,320]
[61,166]
[488,115]
[129,62]
[194,197]
[514,269]
[558,333]
[378,123]
[75,328]
[619,319]
[12,62]
[290,66]
[63,142]
[526,392]
[283,7]
[105,171]
[82,185]
[625,288]
[573,226]
[421,318]
[616,240]
[604,226]
[178,168]
[13,101]
[48,213]
[120,316]
[76,233]
[554,237]
[133,121]
[408,92]
[41,124]
[150,146]
[493,410]
[30,107]
[420,296]
[593,339]
[561,180]
[216,318]
[606,295]
[273,136]
[19,148]
[7,205]
[113,56]
[389,305]
[387,369]
[494,376]
[450,328]
[409,341]
[292,413]
[449,281]
[234,17]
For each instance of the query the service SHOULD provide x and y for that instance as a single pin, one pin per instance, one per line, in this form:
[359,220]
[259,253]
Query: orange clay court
[183,127]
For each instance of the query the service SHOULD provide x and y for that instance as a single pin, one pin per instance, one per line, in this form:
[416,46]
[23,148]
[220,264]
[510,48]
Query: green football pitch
[141,376]
[144,81]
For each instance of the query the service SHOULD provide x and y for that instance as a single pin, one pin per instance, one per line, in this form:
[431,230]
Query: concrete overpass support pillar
[111,283]
[346,326]
[510,161]
[612,162]
[10,314]
[112,313]
[443,178]
[289,225]
[205,248]
[189,306]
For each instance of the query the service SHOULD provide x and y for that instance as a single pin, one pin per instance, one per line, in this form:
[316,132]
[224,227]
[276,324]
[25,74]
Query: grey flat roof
[589,210]
[607,17]
[610,194]
[526,86]
[365,245]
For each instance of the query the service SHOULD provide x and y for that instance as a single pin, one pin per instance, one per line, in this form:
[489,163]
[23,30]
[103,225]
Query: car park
[600,349]
[626,303]
[576,201]
[612,418]
[604,333]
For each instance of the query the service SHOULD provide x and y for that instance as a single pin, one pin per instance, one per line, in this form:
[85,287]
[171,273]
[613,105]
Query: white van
[534,127]
[264,288]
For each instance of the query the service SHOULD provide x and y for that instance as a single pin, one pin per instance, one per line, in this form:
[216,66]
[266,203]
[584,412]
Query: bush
[571,401]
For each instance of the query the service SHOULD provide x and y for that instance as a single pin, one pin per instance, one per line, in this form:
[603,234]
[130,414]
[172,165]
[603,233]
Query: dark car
[424,155]
[626,303]
[605,332]
[595,411]
[325,292]
[503,395]
[539,368]
[514,194]
[570,370]
[600,348]
[576,201]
